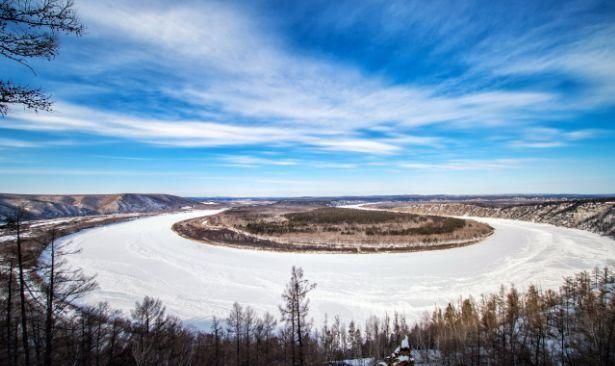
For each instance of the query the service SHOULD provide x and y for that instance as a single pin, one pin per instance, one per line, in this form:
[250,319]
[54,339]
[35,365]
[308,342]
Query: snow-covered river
[196,281]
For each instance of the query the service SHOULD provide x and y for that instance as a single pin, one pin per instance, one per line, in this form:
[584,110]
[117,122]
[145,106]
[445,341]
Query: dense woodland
[351,221]
[41,325]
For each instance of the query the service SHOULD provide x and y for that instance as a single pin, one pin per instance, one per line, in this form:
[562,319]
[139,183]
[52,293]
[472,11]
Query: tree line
[572,326]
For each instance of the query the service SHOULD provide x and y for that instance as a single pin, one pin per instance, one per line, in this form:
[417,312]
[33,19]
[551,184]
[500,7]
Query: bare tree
[263,332]
[62,286]
[7,277]
[16,224]
[29,29]
[234,324]
[294,311]
[216,333]
[249,319]
[149,320]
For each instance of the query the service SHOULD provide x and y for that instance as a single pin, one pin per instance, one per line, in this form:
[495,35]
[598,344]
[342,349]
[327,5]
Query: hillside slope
[51,206]
[592,215]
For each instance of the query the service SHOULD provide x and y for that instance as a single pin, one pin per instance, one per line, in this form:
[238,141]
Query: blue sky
[289,98]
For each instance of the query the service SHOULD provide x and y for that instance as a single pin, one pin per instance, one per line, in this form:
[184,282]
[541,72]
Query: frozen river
[196,281]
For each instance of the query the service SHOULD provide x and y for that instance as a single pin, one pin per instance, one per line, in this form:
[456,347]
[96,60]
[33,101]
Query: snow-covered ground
[7,238]
[196,281]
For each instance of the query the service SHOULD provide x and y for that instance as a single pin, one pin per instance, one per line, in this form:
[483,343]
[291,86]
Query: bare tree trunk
[292,339]
[15,337]
[35,337]
[9,310]
[112,342]
[248,356]
[237,344]
[299,317]
[22,295]
[98,338]
[216,333]
[50,297]
[258,349]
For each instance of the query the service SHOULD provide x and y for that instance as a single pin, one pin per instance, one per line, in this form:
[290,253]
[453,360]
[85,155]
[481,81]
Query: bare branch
[29,29]
[32,99]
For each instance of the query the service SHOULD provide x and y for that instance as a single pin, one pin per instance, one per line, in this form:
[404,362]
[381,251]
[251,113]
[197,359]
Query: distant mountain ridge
[341,200]
[52,206]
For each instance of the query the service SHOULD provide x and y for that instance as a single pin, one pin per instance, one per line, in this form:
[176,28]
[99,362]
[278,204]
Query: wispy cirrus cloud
[235,69]
[90,172]
[188,133]
[408,86]
[14,143]
[542,138]
[245,88]
[253,161]
[467,164]
[328,165]
[10,143]
[585,58]
[184,133]
[246,161]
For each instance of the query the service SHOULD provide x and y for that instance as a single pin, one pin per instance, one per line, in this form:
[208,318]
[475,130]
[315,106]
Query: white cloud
[190,133]
[356,145]
[537,144]
[324,165]
[89,172]
[6,143]
[543,137]
[464,164]
[234,64]
[252,161]
[232,68]
[176,133]
[13,143]
[257,161]
[585,56]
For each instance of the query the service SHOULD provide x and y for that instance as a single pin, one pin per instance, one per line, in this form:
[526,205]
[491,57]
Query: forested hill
[596,215]
[50,206]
